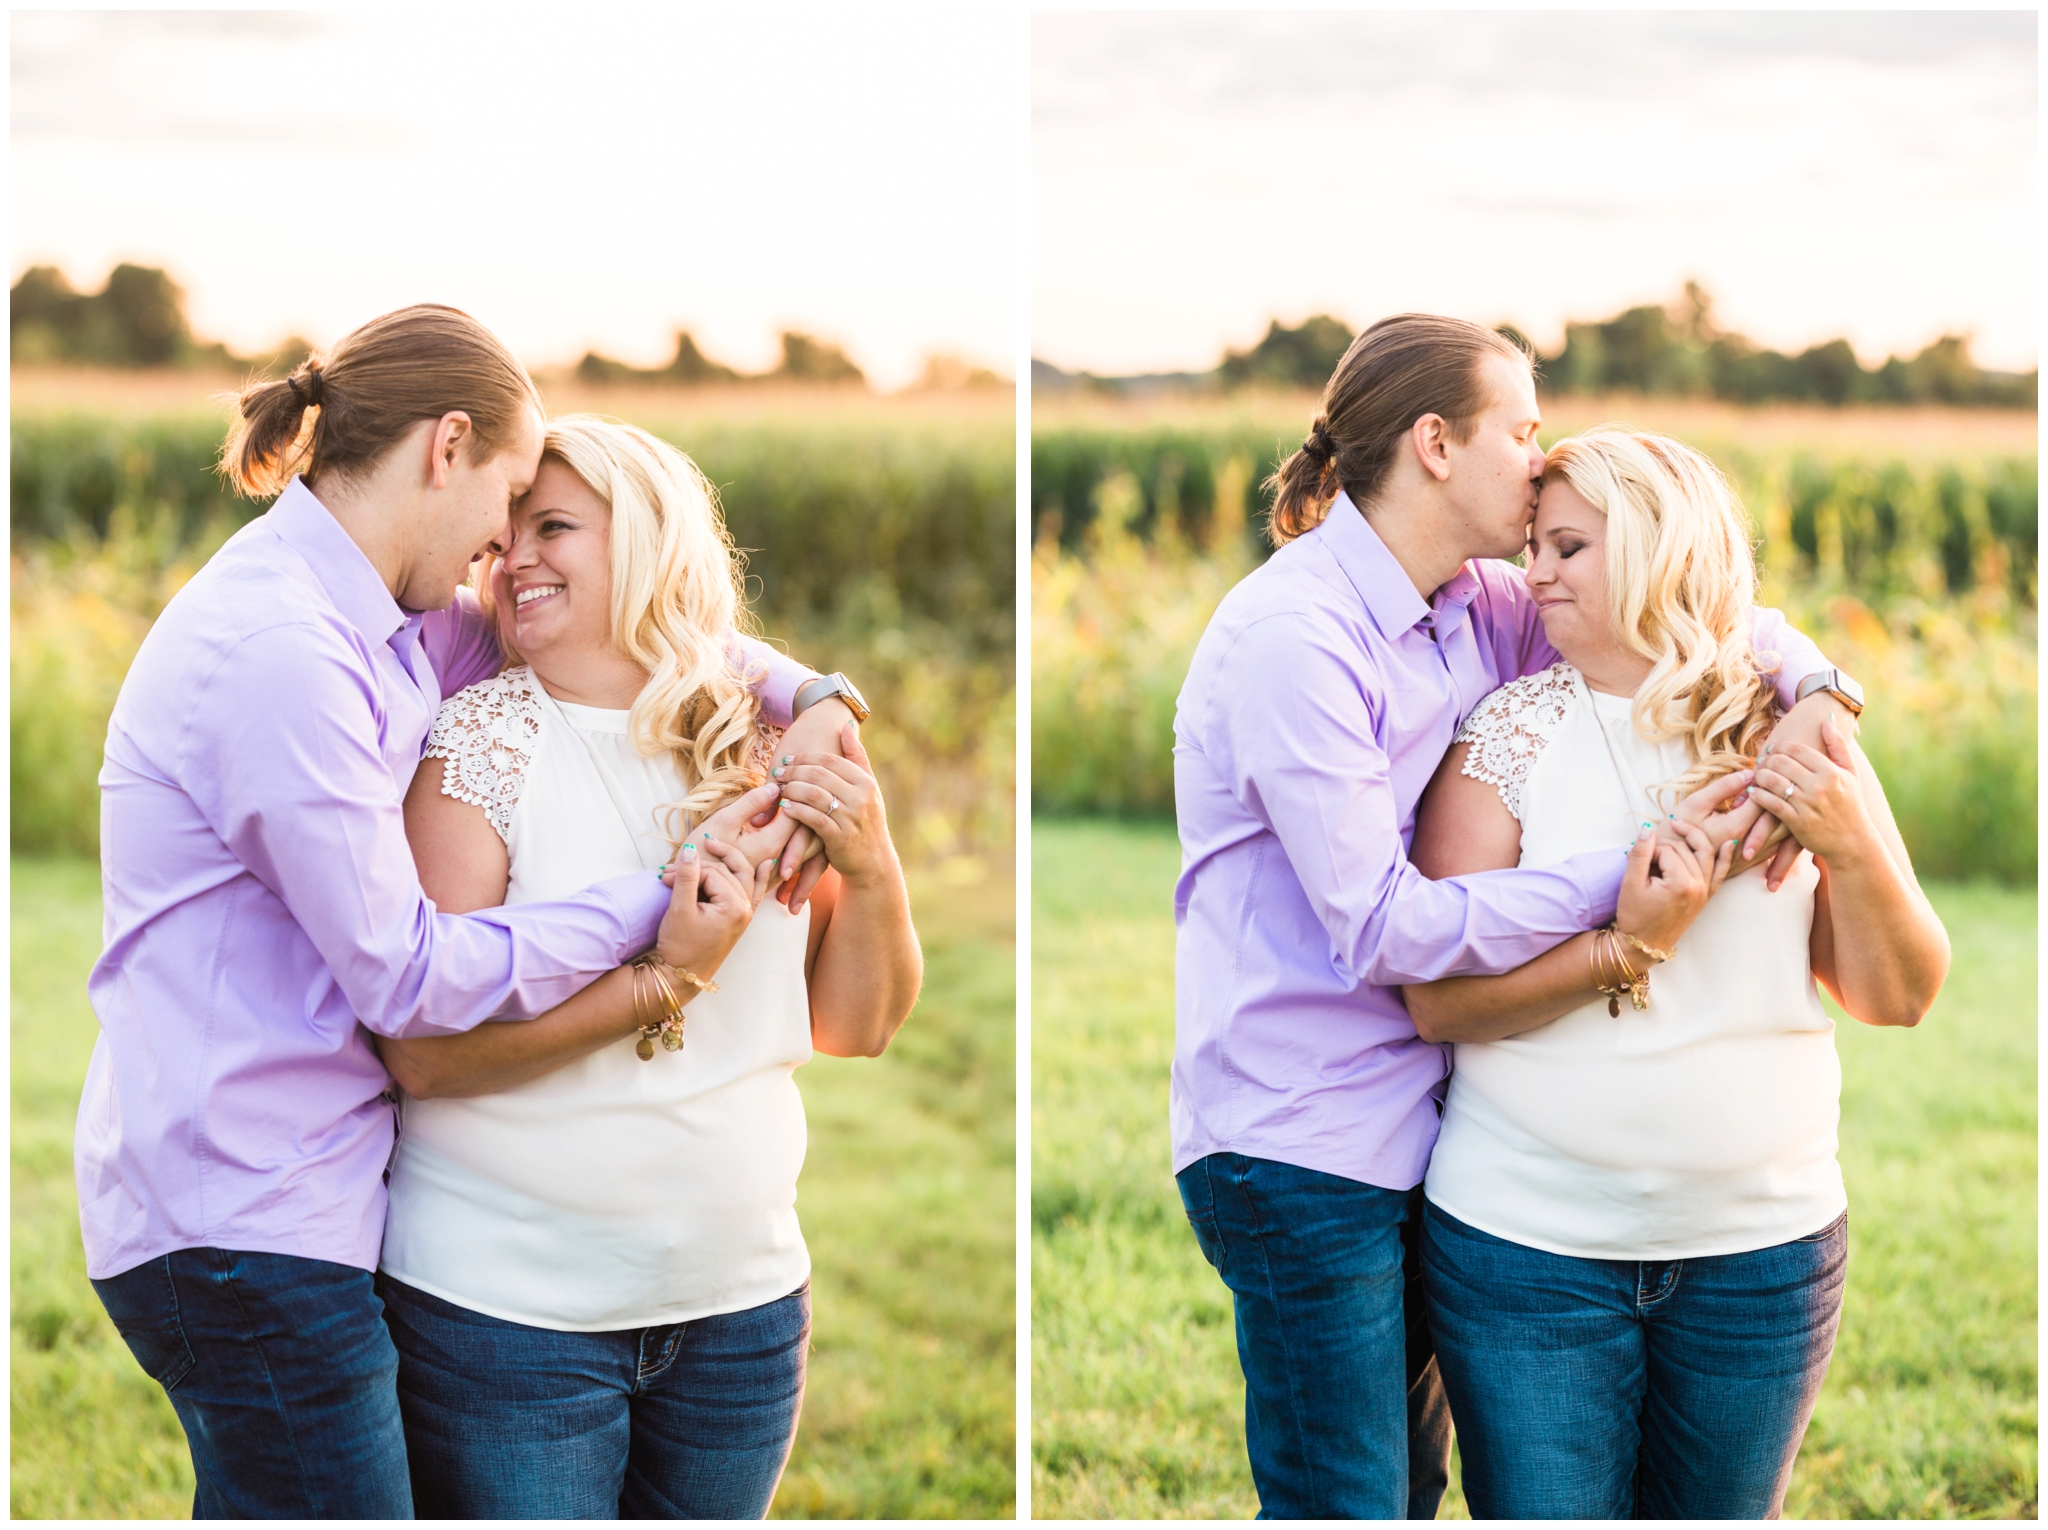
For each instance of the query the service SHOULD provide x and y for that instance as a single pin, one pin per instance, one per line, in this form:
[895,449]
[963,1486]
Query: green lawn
[907,1202]
[1929,1409]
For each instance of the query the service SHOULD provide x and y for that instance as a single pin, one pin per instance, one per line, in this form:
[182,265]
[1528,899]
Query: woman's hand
[841,802]
[1667,882]
[1816,795]
[711,903]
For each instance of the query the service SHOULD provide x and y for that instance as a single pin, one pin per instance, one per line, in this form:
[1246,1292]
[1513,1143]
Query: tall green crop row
[881,548]
[1880,529]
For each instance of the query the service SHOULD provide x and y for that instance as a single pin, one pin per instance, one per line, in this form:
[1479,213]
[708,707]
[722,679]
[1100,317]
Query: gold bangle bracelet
[1648,950]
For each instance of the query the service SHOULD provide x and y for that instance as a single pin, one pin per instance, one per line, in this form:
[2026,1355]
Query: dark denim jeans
[1618,1389]
[283,1374]
[1344,1417]
[682,1421]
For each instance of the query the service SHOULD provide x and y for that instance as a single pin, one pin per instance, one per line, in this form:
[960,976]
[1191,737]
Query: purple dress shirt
[1319,703]
[262,909]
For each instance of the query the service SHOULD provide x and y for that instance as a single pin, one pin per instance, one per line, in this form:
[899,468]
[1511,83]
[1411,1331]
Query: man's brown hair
[340,413]
[1396,372]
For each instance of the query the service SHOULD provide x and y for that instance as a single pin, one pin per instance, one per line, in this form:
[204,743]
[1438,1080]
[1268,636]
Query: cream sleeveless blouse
[1702,1125]
[612,1193]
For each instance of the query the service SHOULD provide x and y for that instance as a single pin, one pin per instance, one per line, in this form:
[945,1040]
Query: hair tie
[309,395]
[1319,445]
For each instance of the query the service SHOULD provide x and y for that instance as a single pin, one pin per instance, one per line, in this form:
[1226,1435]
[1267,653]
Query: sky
[1862,174]
[577,179]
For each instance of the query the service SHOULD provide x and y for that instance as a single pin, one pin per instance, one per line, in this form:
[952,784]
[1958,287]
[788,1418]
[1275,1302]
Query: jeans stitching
[1665,1293]
[1296,1405]
[178,1327]
[643,1370]
[270,1380]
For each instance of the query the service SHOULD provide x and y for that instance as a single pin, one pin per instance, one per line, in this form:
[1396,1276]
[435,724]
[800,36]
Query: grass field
[907,1201]
[1929,1409]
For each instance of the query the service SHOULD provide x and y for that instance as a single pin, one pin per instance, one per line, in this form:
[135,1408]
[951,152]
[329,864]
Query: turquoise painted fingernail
[787,758]
[689,852]
[776,772]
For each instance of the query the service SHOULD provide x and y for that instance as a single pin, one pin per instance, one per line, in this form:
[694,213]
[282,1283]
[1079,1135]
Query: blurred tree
[947,373]
[136,320]
[809,360]
[1302,357]
[689,367]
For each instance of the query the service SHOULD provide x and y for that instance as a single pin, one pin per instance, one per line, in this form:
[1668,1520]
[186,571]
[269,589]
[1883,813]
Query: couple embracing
[439,1149]
[1502,1095]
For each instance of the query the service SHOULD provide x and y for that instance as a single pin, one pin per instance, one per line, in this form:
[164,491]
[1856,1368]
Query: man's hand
[816,732]
[751,823]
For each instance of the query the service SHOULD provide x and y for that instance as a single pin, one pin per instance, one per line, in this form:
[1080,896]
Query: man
[1317,707]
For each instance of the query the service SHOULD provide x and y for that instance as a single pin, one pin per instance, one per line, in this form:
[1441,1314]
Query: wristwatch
[1837,685]
[811,692]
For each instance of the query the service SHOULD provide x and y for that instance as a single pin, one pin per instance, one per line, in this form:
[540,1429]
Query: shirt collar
[343,569]
[1389,595]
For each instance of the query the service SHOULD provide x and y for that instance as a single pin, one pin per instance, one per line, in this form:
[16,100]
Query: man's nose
[512,548]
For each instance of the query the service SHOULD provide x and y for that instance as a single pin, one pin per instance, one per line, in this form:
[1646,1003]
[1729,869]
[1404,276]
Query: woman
[592,1264]
[1635,1233]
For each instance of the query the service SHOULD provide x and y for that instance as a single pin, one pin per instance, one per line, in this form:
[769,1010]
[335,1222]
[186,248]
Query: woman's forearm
[1494,1008]
[502,1053]
[868,970]
[1889,953]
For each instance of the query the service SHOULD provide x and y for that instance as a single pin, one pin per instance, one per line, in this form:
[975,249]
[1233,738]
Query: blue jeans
[283,1375]
[1621,1388]
[682,1421]
[1344,1417]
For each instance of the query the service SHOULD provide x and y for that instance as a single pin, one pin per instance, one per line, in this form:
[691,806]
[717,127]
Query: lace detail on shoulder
[1510,728]
[487,735]
[761,752]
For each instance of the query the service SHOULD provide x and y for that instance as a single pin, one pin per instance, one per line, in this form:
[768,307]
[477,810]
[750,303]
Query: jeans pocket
[1826,1232]
[143,1303]
[1198,1197]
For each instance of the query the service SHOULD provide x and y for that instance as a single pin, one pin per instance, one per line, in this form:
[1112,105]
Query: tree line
[1673,350]
[138,320]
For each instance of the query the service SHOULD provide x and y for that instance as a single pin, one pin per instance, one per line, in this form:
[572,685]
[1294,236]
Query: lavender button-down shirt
[1320,701]
[262,910]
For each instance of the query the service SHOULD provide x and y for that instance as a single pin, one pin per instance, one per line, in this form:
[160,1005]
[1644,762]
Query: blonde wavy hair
[1681,583]
[677,592]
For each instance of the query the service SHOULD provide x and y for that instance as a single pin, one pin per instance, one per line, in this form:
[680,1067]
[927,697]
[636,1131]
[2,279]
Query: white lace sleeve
[761,752]
[487,735]
[1509,729]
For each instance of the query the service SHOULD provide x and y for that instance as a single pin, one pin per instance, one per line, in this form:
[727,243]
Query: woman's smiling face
[553,586]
